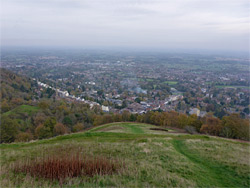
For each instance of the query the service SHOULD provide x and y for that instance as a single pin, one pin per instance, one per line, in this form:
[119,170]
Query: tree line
[58,117]
[232,126]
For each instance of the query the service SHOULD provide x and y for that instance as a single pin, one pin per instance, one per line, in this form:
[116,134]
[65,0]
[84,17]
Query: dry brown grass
[75,165]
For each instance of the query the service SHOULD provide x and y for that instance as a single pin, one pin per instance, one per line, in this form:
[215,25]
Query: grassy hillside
[151,158]
[22,109]
[15,90]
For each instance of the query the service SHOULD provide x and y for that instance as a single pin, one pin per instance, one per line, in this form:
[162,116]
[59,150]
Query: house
[195,111]
[202,113]
[105,108]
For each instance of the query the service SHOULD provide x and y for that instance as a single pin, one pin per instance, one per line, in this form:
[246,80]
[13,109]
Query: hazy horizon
[157,25]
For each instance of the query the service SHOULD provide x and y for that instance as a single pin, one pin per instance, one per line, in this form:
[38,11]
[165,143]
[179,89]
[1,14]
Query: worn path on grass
[210,173]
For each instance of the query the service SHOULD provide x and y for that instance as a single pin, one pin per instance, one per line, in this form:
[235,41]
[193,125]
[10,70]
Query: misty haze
[125,93]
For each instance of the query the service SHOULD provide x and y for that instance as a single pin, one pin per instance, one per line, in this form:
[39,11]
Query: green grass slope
[152,158]
[15,89]
[22,109]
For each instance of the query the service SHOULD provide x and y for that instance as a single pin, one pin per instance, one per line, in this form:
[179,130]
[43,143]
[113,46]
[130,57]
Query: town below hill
[34,110]
[140,82]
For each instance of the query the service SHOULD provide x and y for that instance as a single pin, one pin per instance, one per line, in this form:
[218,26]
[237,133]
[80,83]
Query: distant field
[228,86]
[208,82]
[152,158]
[22,109]
[170,82]
[145,79]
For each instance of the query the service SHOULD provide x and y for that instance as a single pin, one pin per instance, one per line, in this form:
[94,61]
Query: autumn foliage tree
[42,132]
[59,129]
[50,123]
[8,130]
[194,122]
[212,126]
[24,137]
[235,127]
[78,127]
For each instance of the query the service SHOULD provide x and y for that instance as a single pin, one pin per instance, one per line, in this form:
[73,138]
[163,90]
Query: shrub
[227,132]
[8,130]
[211,129]
[42,132]
[194,122]
[50,123]
[4,106]
[190,130]
[235,127]
[182,120]
[24,137]
[78,127]
[39,118]
[59,129]
[67,120]
[43,105]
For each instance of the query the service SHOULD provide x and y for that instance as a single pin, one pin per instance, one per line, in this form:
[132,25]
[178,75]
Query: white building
[105,108]
[195,111]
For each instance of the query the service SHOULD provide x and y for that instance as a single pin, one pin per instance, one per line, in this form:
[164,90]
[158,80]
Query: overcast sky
[194,24]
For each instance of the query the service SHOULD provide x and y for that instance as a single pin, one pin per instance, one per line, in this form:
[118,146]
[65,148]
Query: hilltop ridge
[150,157]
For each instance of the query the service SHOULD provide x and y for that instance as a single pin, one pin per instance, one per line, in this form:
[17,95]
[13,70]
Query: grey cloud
[215,24]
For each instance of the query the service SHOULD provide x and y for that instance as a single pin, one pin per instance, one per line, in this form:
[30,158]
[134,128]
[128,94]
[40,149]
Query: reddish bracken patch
[55,168]
[159,129]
